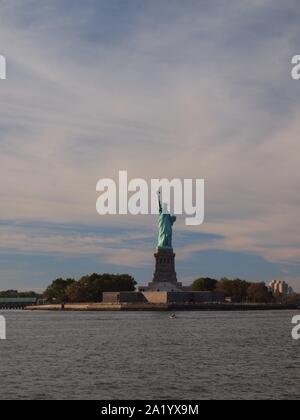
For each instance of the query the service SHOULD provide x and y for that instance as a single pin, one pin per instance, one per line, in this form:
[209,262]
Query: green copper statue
[166,222]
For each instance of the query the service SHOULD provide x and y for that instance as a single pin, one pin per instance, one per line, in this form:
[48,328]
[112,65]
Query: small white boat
[173,316]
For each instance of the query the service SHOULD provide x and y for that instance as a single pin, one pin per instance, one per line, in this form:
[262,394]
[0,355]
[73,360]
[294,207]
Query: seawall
[162,307]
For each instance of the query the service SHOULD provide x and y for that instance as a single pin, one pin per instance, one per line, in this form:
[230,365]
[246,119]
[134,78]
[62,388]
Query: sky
[160,88]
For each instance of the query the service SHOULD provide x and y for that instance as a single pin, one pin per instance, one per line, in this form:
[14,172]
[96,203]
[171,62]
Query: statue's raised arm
[159,202]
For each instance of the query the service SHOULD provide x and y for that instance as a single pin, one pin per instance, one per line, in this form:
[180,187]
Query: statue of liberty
[166,222]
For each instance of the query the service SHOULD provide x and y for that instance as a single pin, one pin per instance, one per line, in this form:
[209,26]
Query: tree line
[243,291]
[16,294]
[89,288]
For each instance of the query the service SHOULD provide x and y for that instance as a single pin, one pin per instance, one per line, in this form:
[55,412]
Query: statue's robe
[165,222]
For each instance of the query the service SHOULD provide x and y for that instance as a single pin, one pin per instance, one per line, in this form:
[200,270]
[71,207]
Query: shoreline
[92,307]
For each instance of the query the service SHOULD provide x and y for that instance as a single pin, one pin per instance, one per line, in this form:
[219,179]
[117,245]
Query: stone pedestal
[164,276]
[164,266]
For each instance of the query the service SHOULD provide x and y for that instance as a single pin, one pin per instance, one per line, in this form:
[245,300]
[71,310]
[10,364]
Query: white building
[281,287]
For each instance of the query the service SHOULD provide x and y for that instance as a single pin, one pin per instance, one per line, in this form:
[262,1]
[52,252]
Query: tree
[236,289]
[240,289]
[225,286]
[28,294]
[293,298]
[76,292]
[279,298]
[259,293]
[90,288]
[9,293]
[57,290]
[16,294]
[204,284]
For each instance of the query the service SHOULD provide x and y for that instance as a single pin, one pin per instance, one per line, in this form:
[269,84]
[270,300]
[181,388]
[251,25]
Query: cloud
[57,240]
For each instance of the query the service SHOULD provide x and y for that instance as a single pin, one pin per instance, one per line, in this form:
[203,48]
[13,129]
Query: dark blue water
[146,355]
